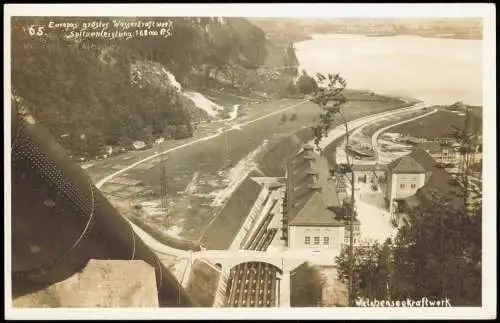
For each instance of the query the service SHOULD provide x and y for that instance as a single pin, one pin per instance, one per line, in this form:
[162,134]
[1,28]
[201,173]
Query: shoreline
[442,36]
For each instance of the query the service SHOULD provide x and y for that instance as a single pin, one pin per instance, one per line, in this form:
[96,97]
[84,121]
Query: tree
[219,53]
[182,132]
[306,84]
[438,254]
[171,131]
[147,133]
[330,99]
[306,286]
[71,91]
[290,60]
[372,269]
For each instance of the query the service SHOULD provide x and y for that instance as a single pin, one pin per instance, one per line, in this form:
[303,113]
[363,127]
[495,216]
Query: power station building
[313,212]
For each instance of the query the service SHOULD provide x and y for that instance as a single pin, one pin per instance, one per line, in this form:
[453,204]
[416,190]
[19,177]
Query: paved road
[150,241]
[339,131]
[379,131]
[220,132]
[334,134]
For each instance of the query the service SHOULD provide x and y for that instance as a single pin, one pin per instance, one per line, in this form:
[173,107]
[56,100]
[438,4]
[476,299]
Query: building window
[413,185]
[307,240]
[401,185]
[316,240]
[326,241]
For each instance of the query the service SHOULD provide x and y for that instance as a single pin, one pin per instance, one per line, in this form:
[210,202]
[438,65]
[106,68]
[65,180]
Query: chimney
[311,172]
[309,157]
[308,148]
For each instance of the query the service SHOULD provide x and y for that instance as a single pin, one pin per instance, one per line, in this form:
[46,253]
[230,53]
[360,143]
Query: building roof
[439,186]
[314,213]
[406,164]
[425,160]
[275,184]
[430,146]
[311,192]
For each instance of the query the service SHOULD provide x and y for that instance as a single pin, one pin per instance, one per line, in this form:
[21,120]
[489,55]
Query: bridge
[240,266]
[282,263]
[225,260]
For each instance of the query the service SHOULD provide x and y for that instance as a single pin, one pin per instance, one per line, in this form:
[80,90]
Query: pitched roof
[424,159]
[315,213]
[405,164]
[439,186]
[311,192]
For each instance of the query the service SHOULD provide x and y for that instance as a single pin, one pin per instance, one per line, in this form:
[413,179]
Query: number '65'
[32,31]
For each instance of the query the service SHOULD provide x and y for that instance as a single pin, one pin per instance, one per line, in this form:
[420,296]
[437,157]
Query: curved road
[332,135]
[220,132]
[379,131]
[354,124]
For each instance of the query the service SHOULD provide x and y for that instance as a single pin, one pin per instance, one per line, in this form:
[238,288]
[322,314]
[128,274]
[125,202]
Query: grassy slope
[207,159]
[435,125]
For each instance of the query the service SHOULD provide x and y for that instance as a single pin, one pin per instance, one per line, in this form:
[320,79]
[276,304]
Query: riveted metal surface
[60,220]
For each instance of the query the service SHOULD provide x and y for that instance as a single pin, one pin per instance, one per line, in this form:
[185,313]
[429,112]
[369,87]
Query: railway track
[255,284]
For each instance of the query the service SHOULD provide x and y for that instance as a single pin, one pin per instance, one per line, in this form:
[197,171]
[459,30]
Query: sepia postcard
[270,161]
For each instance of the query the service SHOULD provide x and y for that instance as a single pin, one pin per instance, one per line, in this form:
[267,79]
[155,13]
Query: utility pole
[225,151]
[330,100]
[348,172]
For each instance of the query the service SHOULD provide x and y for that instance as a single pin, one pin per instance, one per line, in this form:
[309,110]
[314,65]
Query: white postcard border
[486,11]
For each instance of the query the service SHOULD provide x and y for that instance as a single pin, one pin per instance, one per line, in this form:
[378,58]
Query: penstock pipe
[60,220]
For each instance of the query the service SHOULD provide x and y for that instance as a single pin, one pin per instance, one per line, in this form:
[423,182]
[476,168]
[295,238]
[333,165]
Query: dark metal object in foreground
[60,220]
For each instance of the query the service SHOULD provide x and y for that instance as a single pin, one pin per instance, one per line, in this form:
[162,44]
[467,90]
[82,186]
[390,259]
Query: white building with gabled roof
[404,177]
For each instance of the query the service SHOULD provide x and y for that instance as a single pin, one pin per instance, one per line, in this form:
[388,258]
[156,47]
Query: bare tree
[330,97]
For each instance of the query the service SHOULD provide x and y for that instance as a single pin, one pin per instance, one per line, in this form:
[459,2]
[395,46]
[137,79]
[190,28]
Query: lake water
[435,70]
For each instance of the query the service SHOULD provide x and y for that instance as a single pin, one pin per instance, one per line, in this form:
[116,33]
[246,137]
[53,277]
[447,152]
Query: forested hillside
[82,89]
